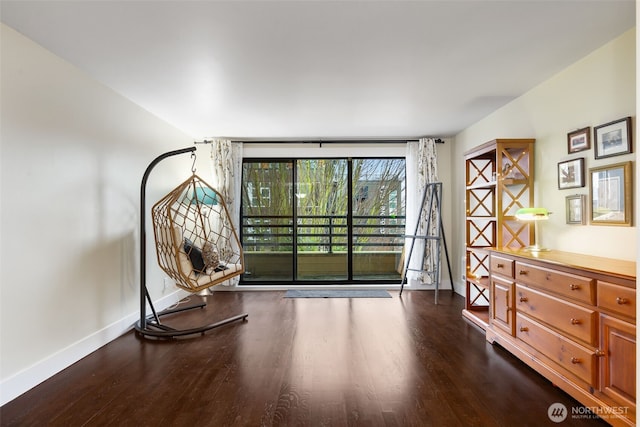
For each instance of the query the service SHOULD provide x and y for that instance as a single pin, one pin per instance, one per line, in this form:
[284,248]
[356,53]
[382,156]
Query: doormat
[337,293]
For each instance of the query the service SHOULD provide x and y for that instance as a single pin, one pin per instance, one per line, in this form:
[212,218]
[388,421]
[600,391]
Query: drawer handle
[622,301]
[523,272]
[524,299]
[575,360]
[600,353]
[499,265]
[574,287]
[575,321]
[523,329]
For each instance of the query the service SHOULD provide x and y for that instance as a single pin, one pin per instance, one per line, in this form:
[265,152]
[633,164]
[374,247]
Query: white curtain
[421,164]
[226,169]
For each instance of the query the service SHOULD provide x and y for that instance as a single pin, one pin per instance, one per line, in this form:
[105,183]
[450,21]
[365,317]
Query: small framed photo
[613,138]
[579,140]
[575,209]
[571,174]
[611,196]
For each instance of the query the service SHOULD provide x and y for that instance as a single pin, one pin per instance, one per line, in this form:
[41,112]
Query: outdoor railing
[322,233]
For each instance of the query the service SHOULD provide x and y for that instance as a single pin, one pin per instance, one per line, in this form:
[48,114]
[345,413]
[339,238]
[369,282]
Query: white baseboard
[445,285]
[25,380]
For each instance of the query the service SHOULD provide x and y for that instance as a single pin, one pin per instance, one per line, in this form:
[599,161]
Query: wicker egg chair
[196,245]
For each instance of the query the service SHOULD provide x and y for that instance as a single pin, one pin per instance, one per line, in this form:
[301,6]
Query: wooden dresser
[572,318]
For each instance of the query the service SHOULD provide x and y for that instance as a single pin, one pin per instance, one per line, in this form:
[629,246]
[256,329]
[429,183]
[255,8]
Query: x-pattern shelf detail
[499,181]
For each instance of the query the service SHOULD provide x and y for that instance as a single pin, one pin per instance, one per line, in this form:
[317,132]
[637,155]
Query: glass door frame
[350,280]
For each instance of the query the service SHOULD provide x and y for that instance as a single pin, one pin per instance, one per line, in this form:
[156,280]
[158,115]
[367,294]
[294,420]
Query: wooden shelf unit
[499,181]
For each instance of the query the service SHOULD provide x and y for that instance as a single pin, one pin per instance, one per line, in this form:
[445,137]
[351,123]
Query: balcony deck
[277,266]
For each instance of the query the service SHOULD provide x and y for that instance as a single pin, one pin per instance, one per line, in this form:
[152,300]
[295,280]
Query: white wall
[595,90]
[72,156]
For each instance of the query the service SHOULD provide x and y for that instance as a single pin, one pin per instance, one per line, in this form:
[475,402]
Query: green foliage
[320,197]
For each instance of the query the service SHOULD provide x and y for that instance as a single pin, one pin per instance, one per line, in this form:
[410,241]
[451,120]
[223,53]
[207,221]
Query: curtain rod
[327,141]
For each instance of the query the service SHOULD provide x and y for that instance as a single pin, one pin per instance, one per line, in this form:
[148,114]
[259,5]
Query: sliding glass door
[377,218]
[322,223]
[267,221]
[314,221]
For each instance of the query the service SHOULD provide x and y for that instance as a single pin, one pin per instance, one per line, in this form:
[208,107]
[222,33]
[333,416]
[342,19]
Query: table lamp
[533,214]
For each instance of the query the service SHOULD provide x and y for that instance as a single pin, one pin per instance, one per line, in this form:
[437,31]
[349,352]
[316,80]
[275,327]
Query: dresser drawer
[502,266]
[566,317]
[580,288]
[575,358]
[619,299]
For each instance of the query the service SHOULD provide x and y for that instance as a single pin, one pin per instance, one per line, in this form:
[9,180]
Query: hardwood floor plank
[301,362]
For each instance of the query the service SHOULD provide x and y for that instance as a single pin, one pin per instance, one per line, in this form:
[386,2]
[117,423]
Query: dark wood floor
[303,362]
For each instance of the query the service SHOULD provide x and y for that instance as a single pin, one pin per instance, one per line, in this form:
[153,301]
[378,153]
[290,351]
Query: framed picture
[571,173]
[579,140]
[613,138]
[575,209]
[611,196]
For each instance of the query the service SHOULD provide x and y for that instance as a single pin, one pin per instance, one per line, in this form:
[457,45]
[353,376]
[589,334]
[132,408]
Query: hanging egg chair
[196,243]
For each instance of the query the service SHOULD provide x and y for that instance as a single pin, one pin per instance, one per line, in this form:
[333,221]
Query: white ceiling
[321,69]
